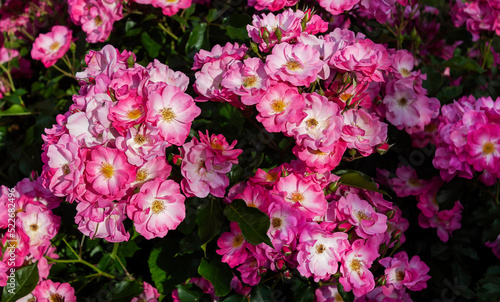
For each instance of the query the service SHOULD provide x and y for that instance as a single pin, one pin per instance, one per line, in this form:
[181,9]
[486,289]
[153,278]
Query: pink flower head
[150,294]
[280,107]
[108,172]
[319,161]
[47,291]
[171,111]
[363,131]
[141,144]
[159,72]
[105,61]
[407,182]
[157,208]
[335,7]
[272,5]
[483,147]
[232,246]
[303,194]
[299,64]
[321,128]
[285,224]
[400,272]
[223,151]
[233,51]
[355,268]
[127,113]
[102,219]
[365,58]
[170,8]
[445,221]
[362,215]
[319,252]
[51,46]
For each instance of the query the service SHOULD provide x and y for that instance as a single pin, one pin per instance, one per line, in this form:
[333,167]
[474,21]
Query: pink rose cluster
[107,152]
[479,16]
[96,17]
[317,89]
[468,139]
[27,224]
[406,183]
[332,237]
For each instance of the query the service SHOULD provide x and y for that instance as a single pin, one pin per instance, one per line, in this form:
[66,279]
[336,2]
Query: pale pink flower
[400,272]
[299,64]
[47,291]
[52,46]
[407,182]
[159,72]
[363,131]
[319,161]
[234,51]
[157,208]
[108,172]
[336,7]
[103,219]
[319,252]
[169,7]
[483,147]
[172,111]
[141,144]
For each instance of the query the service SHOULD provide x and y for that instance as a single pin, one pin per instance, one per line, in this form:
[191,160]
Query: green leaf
[196,38]
[464,64]
[15,96]
[253,223]
[219,274]
[15,110]
[212,15]
[449,93]
[209,220]
[235,26]
[124,291]
[151,46]
[189,292]
[305,294]
[261,293]
[359,180]
[235,298]
[25,281]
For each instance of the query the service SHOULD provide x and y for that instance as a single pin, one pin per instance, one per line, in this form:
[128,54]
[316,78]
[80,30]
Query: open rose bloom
[52,46]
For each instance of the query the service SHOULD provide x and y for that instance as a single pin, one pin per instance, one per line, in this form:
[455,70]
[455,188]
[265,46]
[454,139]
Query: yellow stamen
[249,81]
[276,222]
[107,170]
[134,114]
[311,123]
[293,65]
[278,105]
[488,148]
[141,175]
[157,207]
[237,241]
[297,197]
[320,248]
[356,265]
[55,46]
[167,114]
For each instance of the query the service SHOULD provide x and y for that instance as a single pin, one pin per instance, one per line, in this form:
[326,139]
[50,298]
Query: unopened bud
[264,34]
[381,281]
[280,264]
[131,61]
[397,234]
[286,250]
[278,34]
[383,148]
[287,274]
[262,271]
[177,159]
[390,214]
[344,227]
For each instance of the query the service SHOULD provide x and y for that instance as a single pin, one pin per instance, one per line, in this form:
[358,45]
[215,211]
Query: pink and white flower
[52,46]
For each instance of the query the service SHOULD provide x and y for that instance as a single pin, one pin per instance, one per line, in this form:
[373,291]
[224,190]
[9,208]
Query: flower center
[139,139]
[237,241]
[134,114]
[249,81]
[356,265]
[216,145]
[276,222]
[415,182]
[311,123]
[278,105]
[167,114]
[55,297]
[98,21]
[297,197]
[362,216]
[141,175]
[270,177]
[55,46]
[293,65]
[34,227]
[488,148]
[404,72]
[66,170]
[107,170]
[320,248]
[157,207]
[400,275]
[345,96]
[402,102]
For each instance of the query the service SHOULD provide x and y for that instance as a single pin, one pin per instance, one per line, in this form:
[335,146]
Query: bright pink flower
[105,61]
[299,64]
[400,272]
[319,252]
[159,72]
[483,147]
[157,208]
[223,151]
[495,246]
[150,294]
[363,131]
[254,196]
[303,194]
[281,106]
[172,112]
[103,219]
[361,214]
[233,51]
[272,5]
[321,128]
[285,223]
[141,144]
[365,58]
[232,246]
[155,168]
[355,268]
[108,172]
[47,291]
[247,79]
[170,8]
[208,84]
[327,293]
[403,63]
[407,182]
[445,221]
[336,7]
[51,46]
[319,161]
